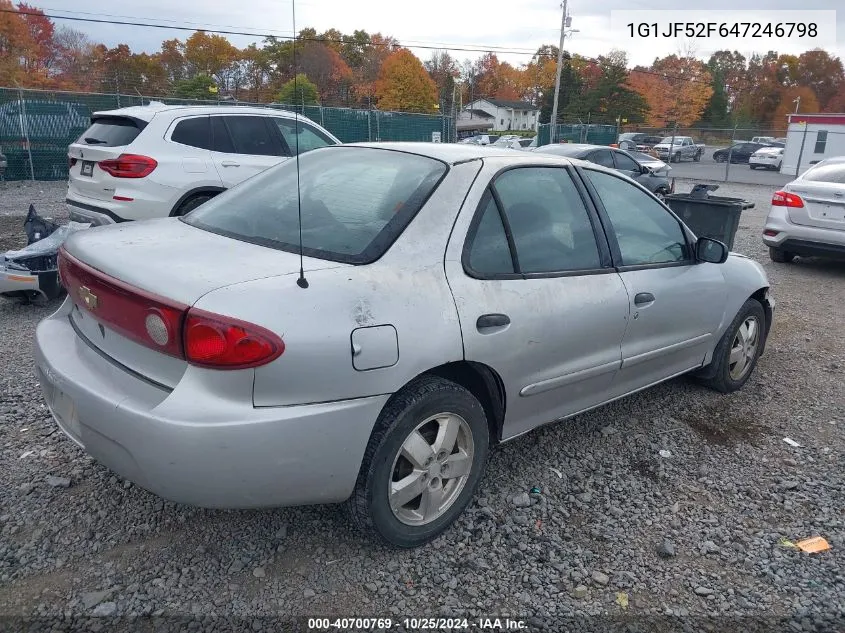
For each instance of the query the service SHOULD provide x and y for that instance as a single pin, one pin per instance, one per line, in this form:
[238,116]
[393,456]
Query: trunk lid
[824,205]
[108,137]
[165,259]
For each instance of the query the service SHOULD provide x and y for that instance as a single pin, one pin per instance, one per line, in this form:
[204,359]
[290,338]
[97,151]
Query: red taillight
[71,161]
[128,166]
[770,233]
[202,338]
[136,314]
[219,342]
[786,199]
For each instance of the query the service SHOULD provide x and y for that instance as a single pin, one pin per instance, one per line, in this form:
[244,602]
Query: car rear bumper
[806,241]
[88,213]
[202,446]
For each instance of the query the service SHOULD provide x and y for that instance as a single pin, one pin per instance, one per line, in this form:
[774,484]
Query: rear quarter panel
[406,289]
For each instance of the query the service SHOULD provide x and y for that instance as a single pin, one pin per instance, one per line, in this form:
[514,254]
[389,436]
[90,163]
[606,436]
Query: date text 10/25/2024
[417,624]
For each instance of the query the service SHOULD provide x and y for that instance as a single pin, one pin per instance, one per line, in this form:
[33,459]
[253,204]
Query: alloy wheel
[431,469]
[744,348]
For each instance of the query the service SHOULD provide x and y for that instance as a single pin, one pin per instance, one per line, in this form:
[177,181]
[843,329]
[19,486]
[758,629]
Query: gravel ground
[694,534]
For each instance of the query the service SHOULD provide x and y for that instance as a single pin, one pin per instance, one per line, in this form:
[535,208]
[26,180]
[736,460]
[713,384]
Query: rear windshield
[355,203]
[111,132]
[834,172]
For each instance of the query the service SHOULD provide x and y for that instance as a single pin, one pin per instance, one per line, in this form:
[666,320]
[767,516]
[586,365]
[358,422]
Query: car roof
[147,112]
[568,148]
[454,153]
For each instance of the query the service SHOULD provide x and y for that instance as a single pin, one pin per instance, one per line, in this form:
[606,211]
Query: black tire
[753,166]
[662,192]
[721,379]
[719,158]
[192,203]
[676,158]
[697,157]
[781,256]
[370,509]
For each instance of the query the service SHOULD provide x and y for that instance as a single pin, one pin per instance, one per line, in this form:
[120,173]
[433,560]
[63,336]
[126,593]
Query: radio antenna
[302,282]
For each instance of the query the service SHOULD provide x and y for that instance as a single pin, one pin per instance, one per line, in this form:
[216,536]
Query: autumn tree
[443,70]
[325,67]
[16,44]
[792,97]
[762,97]
[569,98]
[212,55]
[41,49]
[605,94]
[677,90]
[404,85]
[300,91]
[200,87]
[172,59]
[823,74]
[73,66]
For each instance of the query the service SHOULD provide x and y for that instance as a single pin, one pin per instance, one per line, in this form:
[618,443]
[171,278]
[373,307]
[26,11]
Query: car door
[677,304]
[244,145]
[536,294]
[191,161]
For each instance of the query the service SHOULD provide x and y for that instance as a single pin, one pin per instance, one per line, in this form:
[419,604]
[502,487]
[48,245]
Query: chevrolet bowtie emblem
[88,298]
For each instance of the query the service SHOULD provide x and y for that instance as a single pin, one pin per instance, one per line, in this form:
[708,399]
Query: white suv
[158,160]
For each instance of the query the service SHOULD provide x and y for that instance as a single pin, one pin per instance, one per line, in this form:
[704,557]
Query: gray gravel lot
[693,534]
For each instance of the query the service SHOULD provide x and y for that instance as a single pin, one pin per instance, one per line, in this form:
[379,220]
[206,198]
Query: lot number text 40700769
[758,30]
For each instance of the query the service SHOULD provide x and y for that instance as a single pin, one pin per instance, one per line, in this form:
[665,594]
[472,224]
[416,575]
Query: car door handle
[643,298]
[487,321]
[230,163]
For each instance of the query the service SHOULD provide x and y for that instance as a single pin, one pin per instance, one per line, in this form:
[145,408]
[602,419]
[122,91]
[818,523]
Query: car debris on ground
[31,273]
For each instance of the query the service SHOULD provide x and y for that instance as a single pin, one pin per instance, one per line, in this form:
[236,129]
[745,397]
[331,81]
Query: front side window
[547,219]
[645,231]
[308,137]
[252,135]
[821,141]
[355,201]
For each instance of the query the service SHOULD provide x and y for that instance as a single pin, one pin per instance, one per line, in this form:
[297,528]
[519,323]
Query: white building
[508,115]
[820,135]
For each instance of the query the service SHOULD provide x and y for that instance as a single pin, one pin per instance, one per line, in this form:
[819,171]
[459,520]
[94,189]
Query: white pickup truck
[682,147]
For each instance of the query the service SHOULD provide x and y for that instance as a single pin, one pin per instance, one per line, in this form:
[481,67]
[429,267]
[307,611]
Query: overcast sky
[516,24]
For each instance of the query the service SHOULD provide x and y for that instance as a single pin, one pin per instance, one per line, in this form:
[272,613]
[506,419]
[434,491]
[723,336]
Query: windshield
[355,203]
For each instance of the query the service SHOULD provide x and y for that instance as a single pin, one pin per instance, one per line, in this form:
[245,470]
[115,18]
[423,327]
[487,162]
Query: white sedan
[767,158]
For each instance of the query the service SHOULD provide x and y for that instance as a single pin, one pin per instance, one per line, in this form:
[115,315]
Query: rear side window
[355,203]
[602,157]
[832,172]
[195,132]
[111,132]
[253,135]
[309,137]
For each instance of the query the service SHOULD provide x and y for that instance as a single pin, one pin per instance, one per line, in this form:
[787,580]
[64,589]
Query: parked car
[528,142]
[241,382]
[637,141]
[764,140]
[781,140]
[650,161]
[770,157]
[807,218]
[674,149]
[656,181]
[157,161]
[739,152]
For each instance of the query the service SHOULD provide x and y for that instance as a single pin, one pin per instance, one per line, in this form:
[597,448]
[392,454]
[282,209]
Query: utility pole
[553,120]
[797,103]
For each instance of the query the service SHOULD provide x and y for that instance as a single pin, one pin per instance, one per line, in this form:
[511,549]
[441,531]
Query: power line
[463,48]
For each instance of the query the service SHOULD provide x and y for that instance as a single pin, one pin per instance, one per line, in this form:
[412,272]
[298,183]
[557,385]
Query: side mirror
[645,169]
[710,251]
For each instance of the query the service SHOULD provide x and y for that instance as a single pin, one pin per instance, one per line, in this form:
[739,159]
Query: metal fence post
[730,153]
[378,129]
[25,132]
[369,125]
[801,152]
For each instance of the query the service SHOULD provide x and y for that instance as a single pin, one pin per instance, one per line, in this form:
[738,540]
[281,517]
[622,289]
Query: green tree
[298,92]
[198,87]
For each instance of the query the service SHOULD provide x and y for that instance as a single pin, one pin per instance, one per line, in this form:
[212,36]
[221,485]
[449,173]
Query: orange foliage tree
[403,84]
[808,104]
[677,90]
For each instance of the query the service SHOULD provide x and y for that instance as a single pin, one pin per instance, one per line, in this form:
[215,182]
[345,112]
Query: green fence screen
[36,127]
[591,133]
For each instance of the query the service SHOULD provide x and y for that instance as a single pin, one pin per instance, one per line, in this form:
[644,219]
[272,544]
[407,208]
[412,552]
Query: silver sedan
[441,299]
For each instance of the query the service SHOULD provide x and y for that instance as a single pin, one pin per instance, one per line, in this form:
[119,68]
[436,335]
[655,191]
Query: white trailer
[811,138]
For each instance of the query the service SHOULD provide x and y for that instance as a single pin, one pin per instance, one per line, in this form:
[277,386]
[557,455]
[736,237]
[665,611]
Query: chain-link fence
[716,136]
[592,133]
[36,127]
